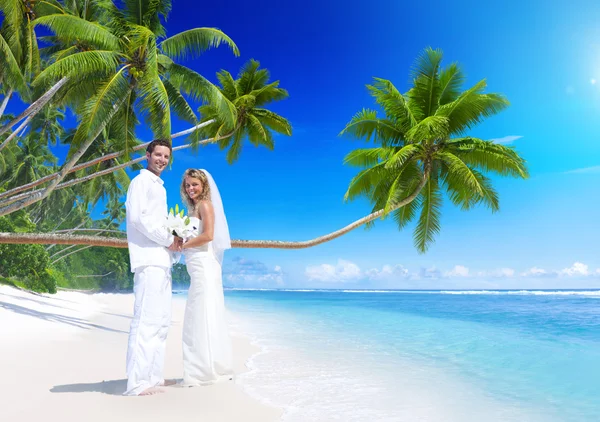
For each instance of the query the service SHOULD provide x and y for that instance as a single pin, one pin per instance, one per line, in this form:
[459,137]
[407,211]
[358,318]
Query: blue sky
[544,56]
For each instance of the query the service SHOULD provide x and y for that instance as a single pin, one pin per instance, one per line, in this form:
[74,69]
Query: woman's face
[193,187]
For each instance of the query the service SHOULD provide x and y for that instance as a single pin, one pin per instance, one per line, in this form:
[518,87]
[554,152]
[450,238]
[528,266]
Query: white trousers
[207,355]
[149,328]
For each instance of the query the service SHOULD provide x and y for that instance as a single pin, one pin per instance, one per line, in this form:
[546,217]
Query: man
[150,248]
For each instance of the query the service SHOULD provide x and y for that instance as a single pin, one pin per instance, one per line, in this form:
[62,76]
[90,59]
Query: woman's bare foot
[151,391]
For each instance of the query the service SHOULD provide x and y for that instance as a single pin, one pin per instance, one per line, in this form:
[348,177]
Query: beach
[317,355]
[63,358]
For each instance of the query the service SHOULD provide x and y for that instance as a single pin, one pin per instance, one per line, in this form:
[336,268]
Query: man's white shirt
[147,235]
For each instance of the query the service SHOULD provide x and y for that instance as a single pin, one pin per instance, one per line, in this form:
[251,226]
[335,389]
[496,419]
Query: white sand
[62,357]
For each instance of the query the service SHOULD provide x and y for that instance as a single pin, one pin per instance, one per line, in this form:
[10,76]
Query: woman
[206,343]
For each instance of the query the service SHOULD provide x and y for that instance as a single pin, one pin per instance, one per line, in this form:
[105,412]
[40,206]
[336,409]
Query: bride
[207,353]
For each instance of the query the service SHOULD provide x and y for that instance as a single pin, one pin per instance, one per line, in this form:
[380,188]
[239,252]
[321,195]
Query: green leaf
[71,29]
[429,220]
[196,41]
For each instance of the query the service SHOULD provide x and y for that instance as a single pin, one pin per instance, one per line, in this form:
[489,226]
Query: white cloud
[502,272]
[577,269]
[537,272]
[506,139]
[429,273]
[247,273]
[344,271]
[457,271]
[585,170]
[387,272]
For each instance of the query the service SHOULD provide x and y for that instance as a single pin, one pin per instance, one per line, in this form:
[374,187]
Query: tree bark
[36,106]
[39,195]
[25,195]
[70,253]
[96,161]
[46,238]
[5,102]
[14,134]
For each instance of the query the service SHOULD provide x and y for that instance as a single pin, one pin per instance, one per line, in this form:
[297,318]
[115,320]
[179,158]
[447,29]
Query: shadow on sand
[113,387]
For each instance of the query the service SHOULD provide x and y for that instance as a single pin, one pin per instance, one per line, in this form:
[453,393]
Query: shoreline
[63,356]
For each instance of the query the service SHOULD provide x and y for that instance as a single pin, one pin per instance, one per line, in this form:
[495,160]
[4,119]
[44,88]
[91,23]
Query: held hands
[176,245]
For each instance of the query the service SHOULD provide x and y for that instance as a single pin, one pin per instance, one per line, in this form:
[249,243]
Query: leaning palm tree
[423,149]
[249,93]
[123,65]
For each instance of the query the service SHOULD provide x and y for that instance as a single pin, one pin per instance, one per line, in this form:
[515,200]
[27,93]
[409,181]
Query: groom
[150,248]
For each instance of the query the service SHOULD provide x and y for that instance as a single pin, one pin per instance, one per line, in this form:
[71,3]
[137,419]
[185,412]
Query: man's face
[158,160]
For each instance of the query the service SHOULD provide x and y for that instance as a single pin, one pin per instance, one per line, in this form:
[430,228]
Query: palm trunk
[62,250]
[13,135]
[100,173]
[38,196]
[36,106]
[5,102]
[96,161]
[45,238]
[68,231]
[70,253]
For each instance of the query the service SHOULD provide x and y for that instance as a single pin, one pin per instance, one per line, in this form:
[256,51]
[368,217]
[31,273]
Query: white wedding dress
[207,355]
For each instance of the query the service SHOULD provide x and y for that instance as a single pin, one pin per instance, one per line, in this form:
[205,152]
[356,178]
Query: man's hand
[176,245]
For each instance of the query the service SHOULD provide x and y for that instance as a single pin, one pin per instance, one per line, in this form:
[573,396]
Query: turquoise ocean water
[423,355]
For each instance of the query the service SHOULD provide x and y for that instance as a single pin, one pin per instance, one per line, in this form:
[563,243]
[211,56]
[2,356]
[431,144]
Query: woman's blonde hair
[204,196]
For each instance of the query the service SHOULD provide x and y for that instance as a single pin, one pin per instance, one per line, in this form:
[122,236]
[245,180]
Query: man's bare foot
[168,383]
[151,391]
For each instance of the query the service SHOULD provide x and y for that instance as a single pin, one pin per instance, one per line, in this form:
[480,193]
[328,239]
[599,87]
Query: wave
[594,293]
[587,293]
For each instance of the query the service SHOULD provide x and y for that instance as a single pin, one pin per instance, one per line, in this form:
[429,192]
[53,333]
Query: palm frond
[429,220]
[198,87]
[368,157]
[489,156]
[98,110]
[402,155]
[365,181]
[393,103]
[179,105]
[251,77]
[71,29]
[426,85]
[196,41]
[228,85]
[366,124]
[429,129]
[97,63]
[273,121]
[10,68]
[258,134]
[269,93]
[471,107]
[451,81]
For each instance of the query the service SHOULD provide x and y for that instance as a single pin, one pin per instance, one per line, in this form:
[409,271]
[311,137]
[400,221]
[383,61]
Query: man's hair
[158,142]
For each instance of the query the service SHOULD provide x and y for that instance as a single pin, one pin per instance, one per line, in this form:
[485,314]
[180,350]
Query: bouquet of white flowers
[179,224]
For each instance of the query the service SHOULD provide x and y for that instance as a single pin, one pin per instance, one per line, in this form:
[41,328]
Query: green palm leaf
[429,219]
[10,68]
[70,29]
[87,63]
[196,41]
[471,107]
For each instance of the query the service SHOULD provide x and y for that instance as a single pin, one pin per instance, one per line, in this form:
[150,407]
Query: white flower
[179,224]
